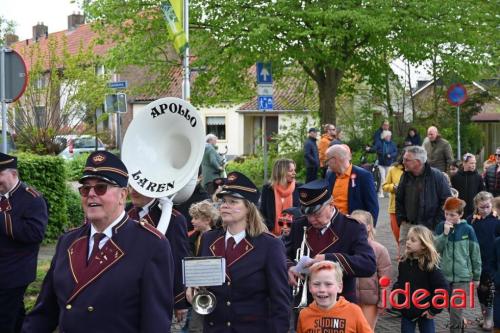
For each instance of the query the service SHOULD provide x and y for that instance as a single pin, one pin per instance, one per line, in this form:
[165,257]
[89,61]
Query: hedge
[47,174]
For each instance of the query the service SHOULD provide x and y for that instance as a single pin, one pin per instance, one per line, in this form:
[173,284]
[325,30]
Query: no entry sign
[457,94]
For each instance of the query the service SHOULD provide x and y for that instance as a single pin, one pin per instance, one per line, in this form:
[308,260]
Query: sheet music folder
[203,271]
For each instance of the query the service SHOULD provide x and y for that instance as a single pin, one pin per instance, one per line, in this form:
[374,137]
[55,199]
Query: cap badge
[232,177]
[99,158]
[303,195]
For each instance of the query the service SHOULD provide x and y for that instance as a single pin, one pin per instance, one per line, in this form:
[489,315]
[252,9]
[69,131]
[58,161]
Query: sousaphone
[163,148]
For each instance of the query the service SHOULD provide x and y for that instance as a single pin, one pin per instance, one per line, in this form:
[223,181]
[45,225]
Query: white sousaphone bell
[162,149]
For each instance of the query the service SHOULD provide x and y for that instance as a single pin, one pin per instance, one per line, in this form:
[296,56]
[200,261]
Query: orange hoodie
[343,317]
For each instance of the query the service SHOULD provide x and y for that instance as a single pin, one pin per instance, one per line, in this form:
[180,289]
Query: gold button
[68,307]
[228,283]
[142,223]
[90,309]
[228,303]
[228,323]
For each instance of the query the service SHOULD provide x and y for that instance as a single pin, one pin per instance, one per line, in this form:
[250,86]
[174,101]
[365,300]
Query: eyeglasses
[229,202]
[283,222]
[329,158]
[99,189]
[497,155]
[409,159]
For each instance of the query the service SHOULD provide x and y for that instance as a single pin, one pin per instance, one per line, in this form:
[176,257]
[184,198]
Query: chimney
[11,38]
[40,30]
[75,20]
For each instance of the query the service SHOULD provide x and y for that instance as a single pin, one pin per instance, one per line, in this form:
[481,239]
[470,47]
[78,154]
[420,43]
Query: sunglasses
[284,223]
[99,189]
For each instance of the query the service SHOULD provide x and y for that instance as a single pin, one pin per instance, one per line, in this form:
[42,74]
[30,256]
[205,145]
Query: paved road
[391,324]
[384,236]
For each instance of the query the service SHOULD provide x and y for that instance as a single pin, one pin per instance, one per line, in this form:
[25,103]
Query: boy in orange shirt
[326,313]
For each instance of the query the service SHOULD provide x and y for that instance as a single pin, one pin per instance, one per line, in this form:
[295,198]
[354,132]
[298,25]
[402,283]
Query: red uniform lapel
[84,274]
[318,243]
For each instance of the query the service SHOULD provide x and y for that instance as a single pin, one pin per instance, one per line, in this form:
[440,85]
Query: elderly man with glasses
[492,176]
[330,235]
[421,194]
[112,274]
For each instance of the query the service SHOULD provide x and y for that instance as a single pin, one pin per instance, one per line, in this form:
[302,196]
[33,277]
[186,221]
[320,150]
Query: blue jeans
[425,325]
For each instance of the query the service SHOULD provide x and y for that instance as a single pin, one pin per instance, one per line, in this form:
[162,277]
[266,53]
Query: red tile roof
[80,36]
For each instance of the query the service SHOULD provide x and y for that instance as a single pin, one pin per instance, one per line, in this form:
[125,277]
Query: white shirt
[108,232]
[145,210]
[237,238]
[325,227]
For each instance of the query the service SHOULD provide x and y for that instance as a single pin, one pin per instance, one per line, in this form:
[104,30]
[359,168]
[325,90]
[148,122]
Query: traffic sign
[457,94]
[265,89]
[116,103]
[16,77]
[265,103]
[118,84]
[264,73]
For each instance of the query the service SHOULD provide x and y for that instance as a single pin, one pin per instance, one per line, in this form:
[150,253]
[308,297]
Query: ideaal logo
[420,297]
[328,325]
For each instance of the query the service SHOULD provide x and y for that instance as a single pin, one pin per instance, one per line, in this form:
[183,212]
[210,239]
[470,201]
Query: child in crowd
[326,313]
[285,223]
[419,267]
[485,223]
[457,244]
[204,215]
[368,290]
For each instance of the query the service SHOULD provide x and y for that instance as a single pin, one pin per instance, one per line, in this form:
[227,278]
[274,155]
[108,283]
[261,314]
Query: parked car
[77,144]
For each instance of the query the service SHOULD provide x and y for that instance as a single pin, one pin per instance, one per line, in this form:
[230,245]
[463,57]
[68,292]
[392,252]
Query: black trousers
[311,174]
[12,309]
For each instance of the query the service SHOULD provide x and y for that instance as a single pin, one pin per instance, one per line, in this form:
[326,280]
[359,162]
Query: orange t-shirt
[343,317]
[340,192]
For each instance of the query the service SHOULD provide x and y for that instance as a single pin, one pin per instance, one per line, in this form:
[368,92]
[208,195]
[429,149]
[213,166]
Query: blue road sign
[264,73]
[118,84]
[265,103]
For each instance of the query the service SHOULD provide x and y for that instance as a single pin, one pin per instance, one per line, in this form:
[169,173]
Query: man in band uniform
[112,274]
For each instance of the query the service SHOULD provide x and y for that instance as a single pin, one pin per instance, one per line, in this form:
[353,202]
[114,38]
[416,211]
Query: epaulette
[352,219]
[144,223]
[33,192]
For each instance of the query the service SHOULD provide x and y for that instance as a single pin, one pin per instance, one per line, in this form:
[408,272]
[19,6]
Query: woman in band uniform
[255,295]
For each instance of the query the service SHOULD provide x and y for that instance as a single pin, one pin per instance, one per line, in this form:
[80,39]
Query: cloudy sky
[27,13]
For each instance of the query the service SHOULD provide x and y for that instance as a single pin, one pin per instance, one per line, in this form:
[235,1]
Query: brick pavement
[390,324]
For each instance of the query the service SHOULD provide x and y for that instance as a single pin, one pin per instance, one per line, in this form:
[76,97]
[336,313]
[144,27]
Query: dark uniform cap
[106,166]
[7,162]
[313,195]
[238,185]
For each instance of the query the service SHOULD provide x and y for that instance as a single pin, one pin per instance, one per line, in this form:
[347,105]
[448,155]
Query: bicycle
[371,167]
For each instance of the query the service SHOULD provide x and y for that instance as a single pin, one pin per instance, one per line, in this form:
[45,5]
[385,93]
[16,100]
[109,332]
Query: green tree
[6,27]
[336,43]
[63,89]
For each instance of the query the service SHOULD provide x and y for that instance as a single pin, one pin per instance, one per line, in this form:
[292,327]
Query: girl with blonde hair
[419,269]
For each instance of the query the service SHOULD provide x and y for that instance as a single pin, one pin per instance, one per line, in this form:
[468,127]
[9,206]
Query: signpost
[264,99]
[13,81]
[117,103]
[457,95]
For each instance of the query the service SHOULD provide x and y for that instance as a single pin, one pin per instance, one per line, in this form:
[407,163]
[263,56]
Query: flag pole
[186,88]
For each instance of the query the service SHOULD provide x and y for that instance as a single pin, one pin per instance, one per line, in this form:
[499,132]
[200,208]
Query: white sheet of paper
[203,271]
[302,266]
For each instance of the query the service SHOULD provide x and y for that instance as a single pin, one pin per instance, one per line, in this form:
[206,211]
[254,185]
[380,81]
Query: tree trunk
[328,86]
[390,110]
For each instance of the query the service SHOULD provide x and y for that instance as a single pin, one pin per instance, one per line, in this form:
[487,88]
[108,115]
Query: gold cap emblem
[99,158]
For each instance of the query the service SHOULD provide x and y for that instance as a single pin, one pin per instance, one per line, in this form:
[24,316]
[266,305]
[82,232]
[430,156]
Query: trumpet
[301,287]
[204,301]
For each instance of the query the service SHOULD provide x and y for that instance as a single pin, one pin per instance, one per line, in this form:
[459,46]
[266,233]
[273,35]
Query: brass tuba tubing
[301,287]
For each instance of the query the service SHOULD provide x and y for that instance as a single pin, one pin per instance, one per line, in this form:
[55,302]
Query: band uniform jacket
[255,296]
[345,241]
[126,287]
[23,220]
[177,236]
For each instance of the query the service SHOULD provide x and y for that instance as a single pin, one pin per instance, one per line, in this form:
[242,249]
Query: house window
[217,126]
[40,116]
